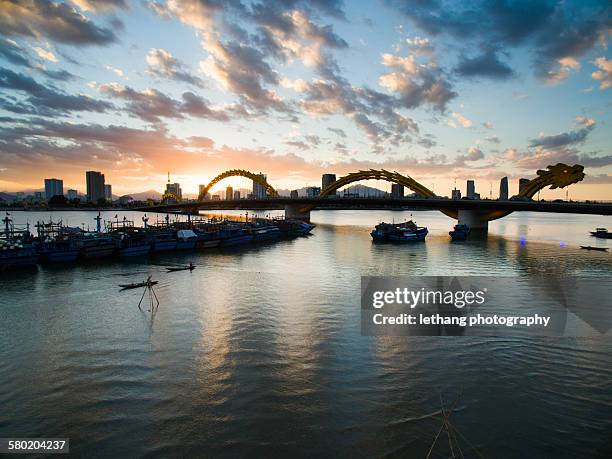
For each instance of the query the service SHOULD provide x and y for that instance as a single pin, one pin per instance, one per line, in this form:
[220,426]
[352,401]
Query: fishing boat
[460,232]
[146,283]
[57,243]
[207,238]
[263,232]
[292,228]
[186,239]
[589,247]
[129,240]
[601,233]
[162,240]
[95,245]
[16,247]
[189,267]
[232,234]
[399,232]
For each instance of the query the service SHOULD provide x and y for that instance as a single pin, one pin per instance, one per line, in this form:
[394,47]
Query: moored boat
[399,232]
[186,239]
[234,235]
[601,233]
[56,243]
[94,245]
[162,241]
[16,247]
[460,232]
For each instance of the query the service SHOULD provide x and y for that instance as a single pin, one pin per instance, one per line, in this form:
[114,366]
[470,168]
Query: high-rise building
[293,194]
[72,194]
[229,193]
[397,190]
[237,195]
[174,188]
[95,185]
[523,183]
[503,189]
[53,187]
[108,191]
[456,194]
[259,191]
[313,191]
[471,190]
[201,191]
[326,180]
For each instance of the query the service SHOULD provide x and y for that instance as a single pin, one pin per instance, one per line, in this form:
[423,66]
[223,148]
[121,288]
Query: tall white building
[108,191]
[53,187]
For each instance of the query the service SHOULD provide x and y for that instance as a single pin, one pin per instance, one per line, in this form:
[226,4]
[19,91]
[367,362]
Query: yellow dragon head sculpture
[561,175]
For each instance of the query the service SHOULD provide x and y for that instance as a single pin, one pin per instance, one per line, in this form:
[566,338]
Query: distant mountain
[144,195]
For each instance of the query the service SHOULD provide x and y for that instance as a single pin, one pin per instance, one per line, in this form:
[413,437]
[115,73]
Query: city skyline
[298,91]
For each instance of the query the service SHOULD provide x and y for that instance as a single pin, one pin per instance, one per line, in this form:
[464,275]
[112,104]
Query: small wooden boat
[602,233]
[191,267]
[589,247]
[146,283]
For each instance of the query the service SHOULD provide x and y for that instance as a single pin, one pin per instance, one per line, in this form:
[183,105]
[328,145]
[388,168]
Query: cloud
[44,100]
[565,138]
[56,21]
[604,74]
[488,125]
[43,53]
[416,84]
[13,53]
[151,105]
[163,64]
[473,154]
[492,139]
[551,30]
[564,68]
[115,70]
[242,69]
[486,65]
[339,132]
[462,120]
[100,6]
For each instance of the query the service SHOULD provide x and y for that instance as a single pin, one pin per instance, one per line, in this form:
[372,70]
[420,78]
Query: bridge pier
[295,211]
[472,219]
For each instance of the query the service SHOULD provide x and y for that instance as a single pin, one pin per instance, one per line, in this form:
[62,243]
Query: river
[259,352]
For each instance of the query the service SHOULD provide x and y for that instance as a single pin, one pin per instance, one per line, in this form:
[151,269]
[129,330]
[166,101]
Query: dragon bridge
[257,178]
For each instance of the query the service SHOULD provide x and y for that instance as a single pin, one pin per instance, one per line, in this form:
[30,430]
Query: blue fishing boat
[399,232]
[162,241]
[263,232]
[129,240]
[94,246]
[16,247]
[460,232]
[234,235]
[57,243]
[186,239]
[207,238]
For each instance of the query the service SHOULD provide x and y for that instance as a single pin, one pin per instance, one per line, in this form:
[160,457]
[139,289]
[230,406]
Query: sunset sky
[433,89]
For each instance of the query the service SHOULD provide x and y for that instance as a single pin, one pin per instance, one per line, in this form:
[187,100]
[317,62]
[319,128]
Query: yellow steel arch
[238,173]
[558,176]
[394,177]
[168,195]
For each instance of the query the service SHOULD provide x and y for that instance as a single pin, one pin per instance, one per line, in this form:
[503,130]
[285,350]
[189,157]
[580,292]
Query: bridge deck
[336,203]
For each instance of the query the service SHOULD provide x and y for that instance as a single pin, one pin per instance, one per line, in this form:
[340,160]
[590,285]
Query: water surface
[258,351]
